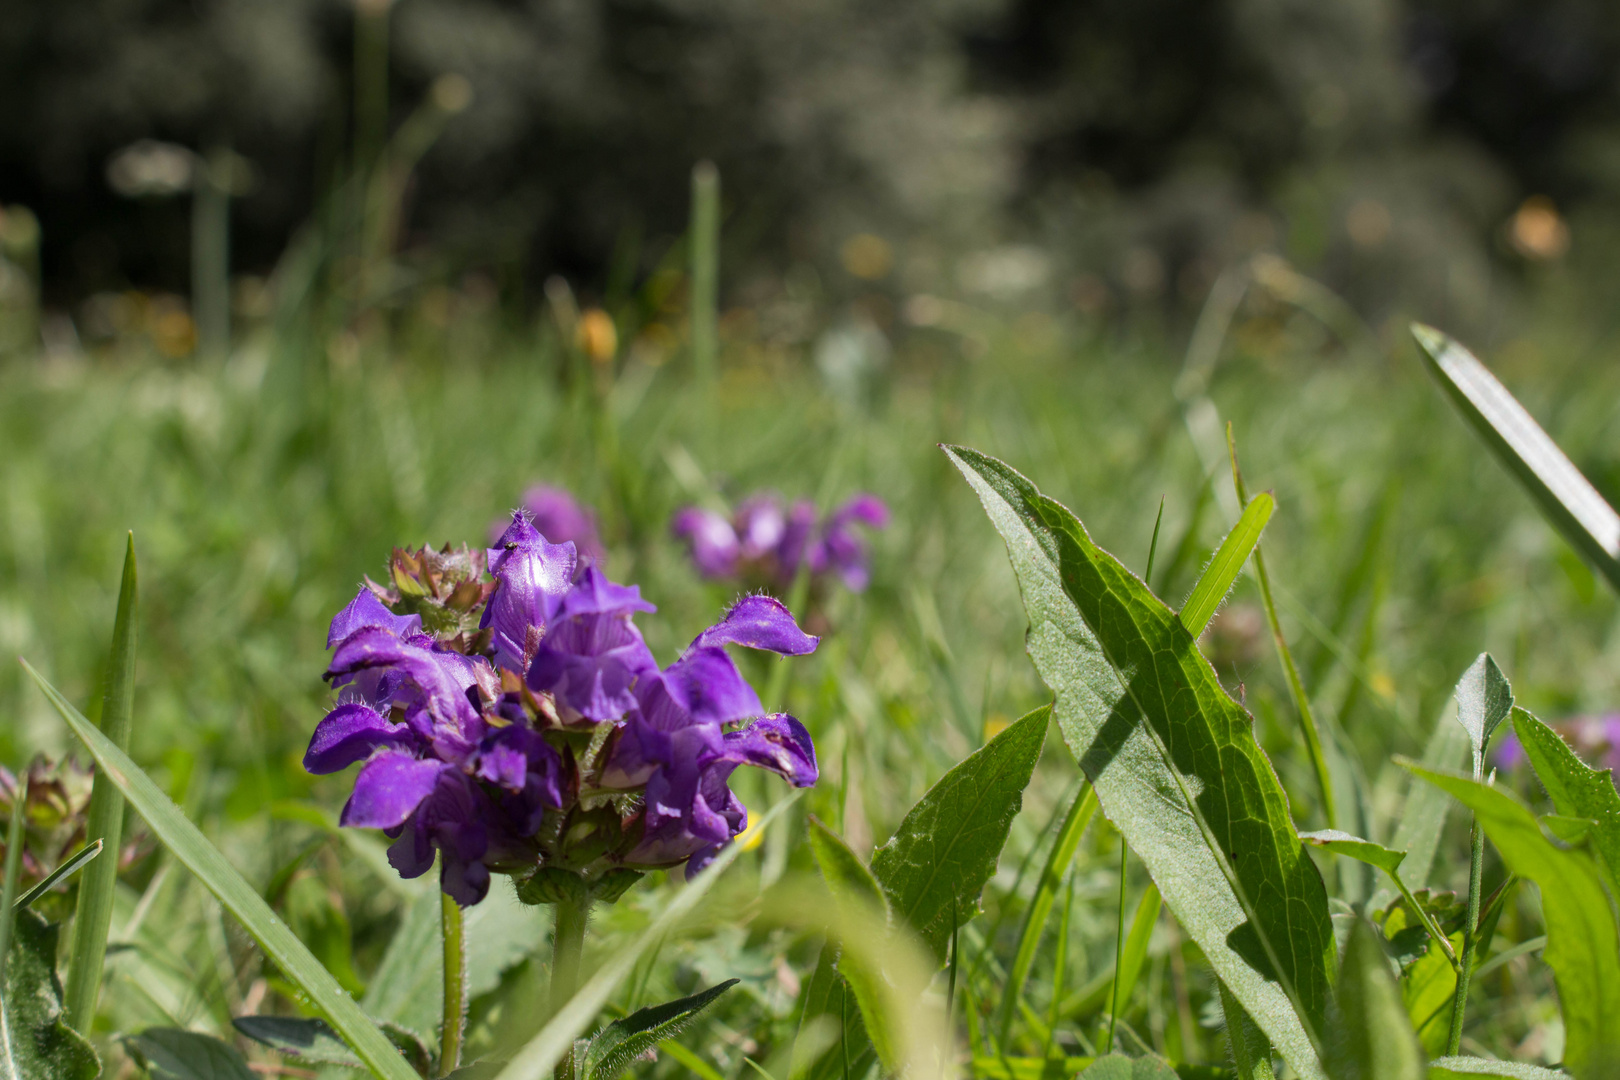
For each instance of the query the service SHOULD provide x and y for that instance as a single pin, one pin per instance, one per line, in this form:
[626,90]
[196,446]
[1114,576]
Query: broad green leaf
[1576,789]
[1583,945]
[846,876]
[1040,905]
[616,1046]
[176,1054]
[1484,700]
[1428,985]
[1174,762]
[1568,499]
[61,873]
[556,1040]
[306,1038]
[947,846]
[1251,1050]
[1342,843]
[1455,1068]
[35,1042]
[1424,816]
[193,850]
[1136,943]
[93,912]
[1371,1038]
[1226,564]
[1120,1067]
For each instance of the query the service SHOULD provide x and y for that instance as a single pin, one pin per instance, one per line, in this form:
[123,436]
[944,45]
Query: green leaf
[93,914]
[478,1070]
[1454,1068]
[1371,1038]
[307,1038]
[1040,905]
[556,1040]
[61,873]
[1424,815]
[193,850]
[1027,1068]
[1484,700]
[846,876]
[1120,1067]
[35,1042]
[1136,943]
[1211,819]
[1251,1050]
[1568,499]
[1583,944]
[1342,843]
[176,1054]
[614,1048]
[946,848]
[1227,563]
[1576,789]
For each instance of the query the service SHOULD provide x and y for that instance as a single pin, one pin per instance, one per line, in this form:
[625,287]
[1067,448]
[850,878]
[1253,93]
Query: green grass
[261,490]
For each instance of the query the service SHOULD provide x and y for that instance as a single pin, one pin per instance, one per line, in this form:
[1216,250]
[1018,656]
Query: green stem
[455,985]
[1119,948]
[8,893]
[705,252]
[567,946]
[1459,1003]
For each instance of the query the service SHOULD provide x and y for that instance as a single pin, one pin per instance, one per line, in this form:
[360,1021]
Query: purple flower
[593,656]
[560,518]
[531,575]
[766,544]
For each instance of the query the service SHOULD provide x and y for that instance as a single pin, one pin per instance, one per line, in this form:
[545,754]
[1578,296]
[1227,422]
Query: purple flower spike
[712,540]
[531,575]
[759,622]
[348,734]
[366,610]
[389,789]
[765,545]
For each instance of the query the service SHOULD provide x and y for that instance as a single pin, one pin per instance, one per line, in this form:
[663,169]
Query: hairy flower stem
[455,985]
[567,945]
[1459,1004]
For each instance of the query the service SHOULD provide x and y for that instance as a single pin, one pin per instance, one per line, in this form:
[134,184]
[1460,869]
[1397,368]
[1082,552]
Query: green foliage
[1484,700]
[1457,1068]
[1130,685]
[61,873]
[177,1054]
[1227,563]
[194,851]
[1370,1037]
[1577,790]
[38,1044]
[312,1039]
[1342,843]
[1583,944]
[611,1051]
[1120,1067]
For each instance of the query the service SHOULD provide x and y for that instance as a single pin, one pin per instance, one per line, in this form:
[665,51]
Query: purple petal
[349,733]
[759,622]
[412,853]
[598,688]
[700,860]
[388,788]
[465,883]
[706,686]
[530,575]
[442,678]
[711,539]
[776,742]
[366,610]
[596,595]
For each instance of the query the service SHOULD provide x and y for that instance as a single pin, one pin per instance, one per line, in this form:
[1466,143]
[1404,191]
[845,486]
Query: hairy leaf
[194,851]
[1568,499]
[1576,789]
[176,1054]
[1484,700]
[1174,762]
[1226,564]
[1583,945]
[614,1047]
[947,846]
[35,1042]
[1454,1068]
[1371,1038]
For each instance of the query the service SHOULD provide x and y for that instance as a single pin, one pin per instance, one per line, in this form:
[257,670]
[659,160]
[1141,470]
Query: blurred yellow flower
[1537,231]
[596,335]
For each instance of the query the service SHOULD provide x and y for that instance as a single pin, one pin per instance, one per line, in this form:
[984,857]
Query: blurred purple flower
[764,544]
[1595,738]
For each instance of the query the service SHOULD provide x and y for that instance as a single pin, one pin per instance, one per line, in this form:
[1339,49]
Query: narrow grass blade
[93,914]
[554,1042]
[1136,945]
[1372,1038]
[61,873]
[1040,905]
[1227,563]
[1568,499]
[238,897]
[8,890]
[705,241]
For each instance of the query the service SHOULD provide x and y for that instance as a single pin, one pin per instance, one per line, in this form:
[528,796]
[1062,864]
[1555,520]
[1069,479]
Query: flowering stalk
[455,985]
[567,947]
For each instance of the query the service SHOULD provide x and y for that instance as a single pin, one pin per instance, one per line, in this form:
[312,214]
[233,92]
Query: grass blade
[8,890]
[193,850]
[1227,563]
[93,914]
[1568,499]
[1040,906]
[554,1041]
[705,241]
[66,870]
[1136,946]
[1373,1039]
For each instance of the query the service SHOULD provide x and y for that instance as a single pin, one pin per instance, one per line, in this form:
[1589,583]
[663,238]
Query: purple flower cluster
[764,543]
[522,723]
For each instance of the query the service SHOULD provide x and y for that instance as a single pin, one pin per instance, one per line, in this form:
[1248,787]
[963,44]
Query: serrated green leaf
[1566,497]
[1226,564]
[1455,1068]
[1484,700]
[1174,762]
[614,1048]
[193,850]
[78,862]
[1371,1037]
[1120,1067]
[947,846]
[1576,789]
[93,907]
[177,1054]
[35,1041]
[1583,944]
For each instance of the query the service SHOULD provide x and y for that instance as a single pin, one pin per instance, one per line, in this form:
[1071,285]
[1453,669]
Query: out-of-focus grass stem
[705,246]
